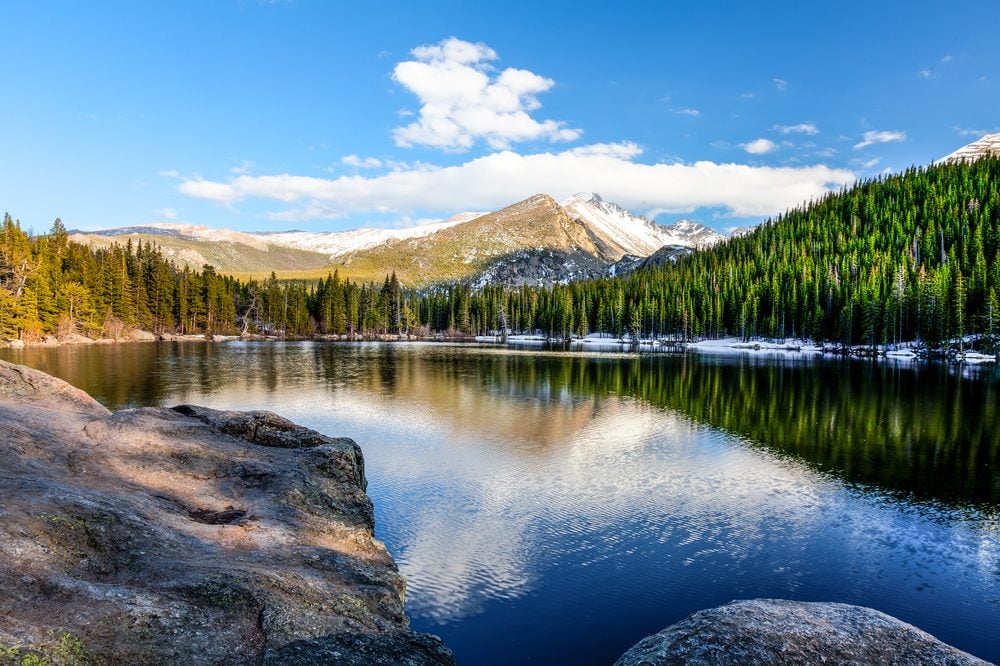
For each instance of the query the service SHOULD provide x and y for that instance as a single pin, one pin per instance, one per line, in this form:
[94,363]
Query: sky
[319,115]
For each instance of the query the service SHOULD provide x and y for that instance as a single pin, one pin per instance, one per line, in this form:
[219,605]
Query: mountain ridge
[535,241]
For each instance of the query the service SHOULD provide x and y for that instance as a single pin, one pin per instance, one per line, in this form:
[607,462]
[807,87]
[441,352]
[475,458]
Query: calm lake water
[556,508]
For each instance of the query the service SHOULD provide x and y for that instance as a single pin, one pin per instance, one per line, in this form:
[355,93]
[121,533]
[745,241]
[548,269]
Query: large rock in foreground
[187,536]
[773,631]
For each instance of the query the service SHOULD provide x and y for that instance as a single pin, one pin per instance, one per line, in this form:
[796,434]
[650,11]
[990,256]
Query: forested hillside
[904,257]
[911,256]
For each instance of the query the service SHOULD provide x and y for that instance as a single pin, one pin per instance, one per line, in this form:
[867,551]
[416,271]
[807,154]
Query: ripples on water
[555,509]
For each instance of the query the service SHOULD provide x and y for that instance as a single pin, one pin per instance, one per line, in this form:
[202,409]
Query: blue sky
[327,116]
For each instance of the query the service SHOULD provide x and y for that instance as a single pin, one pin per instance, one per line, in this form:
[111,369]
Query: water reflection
[580,503]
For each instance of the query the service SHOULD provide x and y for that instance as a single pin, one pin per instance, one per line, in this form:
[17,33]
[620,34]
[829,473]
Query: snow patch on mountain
[182,230]
[337,243]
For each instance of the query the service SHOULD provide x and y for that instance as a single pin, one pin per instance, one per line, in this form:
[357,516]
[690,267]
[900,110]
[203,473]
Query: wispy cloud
[875,136]
[361,162]
[463,99]
[166,213]
[244,167]
[495,180]
[759,146]
[801,128]
[926,74]
[866,164]
[780,84]
[968,132]
[687,112]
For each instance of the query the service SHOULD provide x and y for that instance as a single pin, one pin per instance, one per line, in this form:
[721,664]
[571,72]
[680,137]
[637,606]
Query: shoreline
[911,351]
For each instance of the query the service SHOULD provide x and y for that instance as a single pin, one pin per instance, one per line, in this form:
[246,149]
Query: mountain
[536,242]
[620,233]
[336,243]
[530,242]
[988,145]
[194,246]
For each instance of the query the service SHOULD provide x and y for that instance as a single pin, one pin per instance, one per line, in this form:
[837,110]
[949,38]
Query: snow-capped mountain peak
[987,145]
[623,233]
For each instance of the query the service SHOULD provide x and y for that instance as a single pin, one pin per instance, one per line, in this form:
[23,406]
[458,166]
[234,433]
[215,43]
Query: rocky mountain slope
[535,241]
[187,536]
[194,246]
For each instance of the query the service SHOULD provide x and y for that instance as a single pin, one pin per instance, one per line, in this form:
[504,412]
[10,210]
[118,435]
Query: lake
[552,507]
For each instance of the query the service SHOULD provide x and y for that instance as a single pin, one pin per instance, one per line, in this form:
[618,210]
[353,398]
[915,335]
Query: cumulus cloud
[464,100]
[759,146]
[500,178]
[801,128]
[875,136]
[361,162]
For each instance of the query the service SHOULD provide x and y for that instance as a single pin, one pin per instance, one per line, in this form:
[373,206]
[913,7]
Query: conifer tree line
[50,285]
[912,256]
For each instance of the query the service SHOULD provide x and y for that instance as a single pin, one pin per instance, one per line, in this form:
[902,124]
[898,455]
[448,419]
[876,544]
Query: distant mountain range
[537,241]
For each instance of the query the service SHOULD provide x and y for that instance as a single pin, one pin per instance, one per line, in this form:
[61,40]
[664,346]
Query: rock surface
[188,536]
[773,631]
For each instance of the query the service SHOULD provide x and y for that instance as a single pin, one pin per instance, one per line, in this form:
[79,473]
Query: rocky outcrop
[772,631]
[189,536]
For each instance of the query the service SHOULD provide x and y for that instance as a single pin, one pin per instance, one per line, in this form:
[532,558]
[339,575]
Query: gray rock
[400,648]
[143,336]
[775,631]
[151,536]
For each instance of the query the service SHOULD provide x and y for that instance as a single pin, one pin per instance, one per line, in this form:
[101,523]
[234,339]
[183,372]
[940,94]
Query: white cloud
[926,74]
[801,128]
[361,162]
[463,99]
[948,58]
[172,173]
[780,84]
[759,146]
[874,136]
[498,179]
[687,112]
[748,95]
[166,213]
